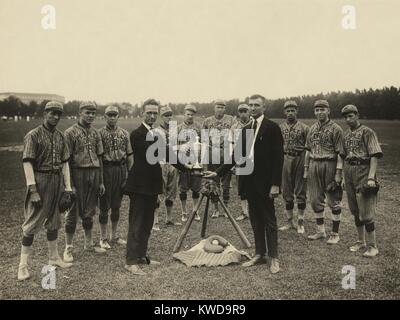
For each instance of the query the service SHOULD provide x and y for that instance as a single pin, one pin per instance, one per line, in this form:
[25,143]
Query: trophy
[197,169]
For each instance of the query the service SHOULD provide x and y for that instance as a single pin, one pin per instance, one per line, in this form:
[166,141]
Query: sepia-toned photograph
[187,150]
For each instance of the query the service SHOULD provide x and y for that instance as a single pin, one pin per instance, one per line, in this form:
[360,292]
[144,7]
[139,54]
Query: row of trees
[373,104]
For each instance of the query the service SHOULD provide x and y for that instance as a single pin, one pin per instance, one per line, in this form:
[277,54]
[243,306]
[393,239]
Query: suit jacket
[144,178]
[268,159]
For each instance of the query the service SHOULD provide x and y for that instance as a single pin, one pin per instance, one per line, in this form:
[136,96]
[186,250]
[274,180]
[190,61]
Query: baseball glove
[67,200]
[367,190]
[334,187]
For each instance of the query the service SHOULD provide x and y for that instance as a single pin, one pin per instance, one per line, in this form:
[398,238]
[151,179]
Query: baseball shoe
[274,268]
[148,261]
[134,269]
[242,217]
[359,245]
[285,227]
[95,249]
[68,254]
[256,260]
[23,272]
[333,238]
[300,229]
[155,227]
[105,244]
[119,241]
[184,217]
[316,236]
[60,263]
[215,215]
[371,252]
[197,217]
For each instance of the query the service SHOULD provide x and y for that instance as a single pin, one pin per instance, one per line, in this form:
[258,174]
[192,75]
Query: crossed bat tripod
[209,191]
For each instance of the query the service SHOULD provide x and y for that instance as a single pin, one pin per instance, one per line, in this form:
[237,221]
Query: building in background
[28,97]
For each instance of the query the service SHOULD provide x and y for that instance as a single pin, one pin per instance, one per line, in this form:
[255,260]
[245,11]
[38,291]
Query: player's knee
[114,215]
[289,205]
[183,196]
[87,223]
[357,221]
[103,217]
[52,235]
[27,240]
[195,195]
[316,206]
[168,203]
[369,225]
[301,206]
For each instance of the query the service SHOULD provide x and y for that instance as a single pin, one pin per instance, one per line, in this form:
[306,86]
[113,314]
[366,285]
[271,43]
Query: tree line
[373,104]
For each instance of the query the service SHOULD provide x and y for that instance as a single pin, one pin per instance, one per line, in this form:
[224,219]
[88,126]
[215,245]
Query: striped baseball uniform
[324,143]
[293,184]
[86,148]
[47,151]
[186,181]
[222,126]
[236,129]
[169,173]
[117,147]
[359,146]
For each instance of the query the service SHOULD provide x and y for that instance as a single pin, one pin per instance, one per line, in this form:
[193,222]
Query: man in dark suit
[262,185]
[143,186]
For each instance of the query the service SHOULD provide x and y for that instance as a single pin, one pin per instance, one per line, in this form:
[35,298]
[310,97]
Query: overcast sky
[197,50]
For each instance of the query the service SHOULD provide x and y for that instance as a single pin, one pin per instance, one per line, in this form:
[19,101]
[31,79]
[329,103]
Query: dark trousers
[263,222]
[141,218]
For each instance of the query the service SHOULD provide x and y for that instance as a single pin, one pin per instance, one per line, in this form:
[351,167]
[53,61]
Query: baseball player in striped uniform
[324,169]
[186,181]
[244,119]
[117,160]
[45,161]
[169,173]
[361,151]
[218,125]
[294,133]
[86,151]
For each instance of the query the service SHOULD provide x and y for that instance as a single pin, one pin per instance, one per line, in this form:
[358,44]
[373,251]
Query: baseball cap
[321,103]
[165,109]
[349,108]
[54,105]
[290,103]
[191,107]
[219,102]
[111,109]
[243,106]
[88,105]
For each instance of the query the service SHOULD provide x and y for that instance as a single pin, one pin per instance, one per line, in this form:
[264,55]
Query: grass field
[310,270]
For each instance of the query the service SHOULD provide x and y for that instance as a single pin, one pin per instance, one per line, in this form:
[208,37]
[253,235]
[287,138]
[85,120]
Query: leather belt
[113,163]
[358,162]
[54,171]
[293,153]
[324,159]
